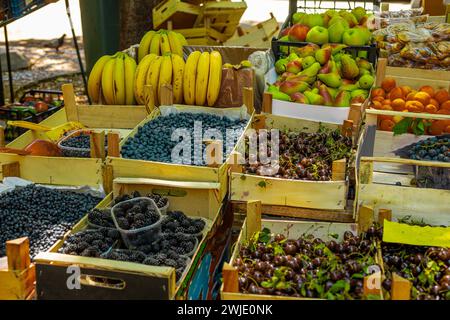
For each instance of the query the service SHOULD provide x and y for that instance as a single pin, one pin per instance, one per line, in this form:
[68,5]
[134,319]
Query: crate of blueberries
[77,144]
[159,244]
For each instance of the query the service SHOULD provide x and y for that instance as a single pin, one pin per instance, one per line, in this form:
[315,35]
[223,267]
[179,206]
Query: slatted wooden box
[181,13]
[106,279]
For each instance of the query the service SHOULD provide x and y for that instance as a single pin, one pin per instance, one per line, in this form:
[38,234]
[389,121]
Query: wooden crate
[182,14]
[137,281]
[259,36]
[224,16]
[325,195]
[120,167]
[291,229]
[17,274]
[202,36]
[114,119]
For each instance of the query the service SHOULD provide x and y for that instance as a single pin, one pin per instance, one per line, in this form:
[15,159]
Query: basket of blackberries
[77,144]
[177,221]
[124,255]
[138,220]
[161,202]
[180,243]
[90,243]
[100,219]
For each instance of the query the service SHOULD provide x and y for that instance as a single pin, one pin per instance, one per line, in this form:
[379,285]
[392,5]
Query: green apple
[336,31]
[354,37]
[317,35]
[359,13]
[327,16]
[366,32]
[313,20]
[350,18]
[338,18]
[297,17]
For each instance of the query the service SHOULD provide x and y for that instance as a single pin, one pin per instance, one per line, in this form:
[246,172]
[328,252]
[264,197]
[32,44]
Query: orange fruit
[434,102]
[441,96]
[397,119]
[411,95]
[396,93]
[387,125]
[378,98]
[414,106]
[398,104]
[423,97]
[438,127]
[443,111]
[386,102]
[446,105]
[406,90]
[388,84]
[376,105]
[427,89]
[378,92]
[431,108]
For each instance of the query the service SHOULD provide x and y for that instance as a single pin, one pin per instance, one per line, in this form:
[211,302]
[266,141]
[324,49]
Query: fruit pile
[306,267]
[428,269]
[390,97]
[111,80]
[161,42]
[160,201]
[135,214]
[180,243]
[178,222]
[125,255]
[82,141]
[350,28]
[153,141]
[101,218]
[323,76]
[432,149]
[43,215]
[303,156]
[90,243]
[171,259]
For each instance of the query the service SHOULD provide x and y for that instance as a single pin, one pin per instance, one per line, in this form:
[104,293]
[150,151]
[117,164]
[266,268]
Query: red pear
[299,97]
[327,98]
[326,68]
[294,66]
[298,32]
[348,81]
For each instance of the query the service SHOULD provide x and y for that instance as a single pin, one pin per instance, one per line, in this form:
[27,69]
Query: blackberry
[136,214]
[123,223]
[101,218]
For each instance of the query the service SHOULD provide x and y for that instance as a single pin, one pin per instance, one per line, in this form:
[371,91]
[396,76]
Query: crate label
[416,235]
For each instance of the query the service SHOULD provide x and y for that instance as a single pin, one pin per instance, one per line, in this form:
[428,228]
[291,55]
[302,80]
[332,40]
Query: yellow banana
[119,80]
[165,44]
[141,77]
[155,44]
[215,77]
[107,81]
[189,77]
[153,76]
[130,70]
[177,81]
[175,44]
[182,39]
[144,46]
[165,74]
[95,78]
[201,84]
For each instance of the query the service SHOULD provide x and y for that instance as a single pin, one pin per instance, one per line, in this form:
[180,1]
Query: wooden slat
[401,288]
[253,220]
[113,144]
[98,145]
[113,117]
[230,278]
[10,169]
[18,253]
[69,102]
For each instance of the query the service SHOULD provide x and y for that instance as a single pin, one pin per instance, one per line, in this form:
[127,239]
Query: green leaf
[334,235]
[402,126]
[418,127]
[373,297]
[357,276]
[264,235]
[340,285]
[262,184]
[266,284]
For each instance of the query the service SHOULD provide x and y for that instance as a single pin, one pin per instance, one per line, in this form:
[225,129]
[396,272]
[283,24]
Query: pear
[311,72]
[315,90]
[308,62]
[306,51]
[333,92]
[360,92]
[335,47]
[280,65]
[299,97]
[293,56]
[314,98]
[294,66]
[292,86]
[349,87]
[323,55]
[349,69]
[276,94]
[327,98]
[342,99]
[332,80]
[364,64]
[366,81]
[326,68]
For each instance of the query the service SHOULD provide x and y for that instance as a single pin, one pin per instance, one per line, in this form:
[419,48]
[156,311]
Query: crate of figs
[129,239]
[306,165]
[153,151]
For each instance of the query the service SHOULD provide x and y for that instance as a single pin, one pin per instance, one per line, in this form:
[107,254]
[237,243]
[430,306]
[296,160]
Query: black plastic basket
[372,51]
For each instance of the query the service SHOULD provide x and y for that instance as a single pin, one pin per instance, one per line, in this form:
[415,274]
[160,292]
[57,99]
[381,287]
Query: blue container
[20,7]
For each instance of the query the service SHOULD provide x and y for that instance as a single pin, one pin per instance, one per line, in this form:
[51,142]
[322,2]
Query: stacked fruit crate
[201,22]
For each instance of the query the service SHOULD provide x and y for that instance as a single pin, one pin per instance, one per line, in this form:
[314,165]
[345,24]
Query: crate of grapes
[17,272]
[285,260]
[175,143]
[153,270]
[310,178]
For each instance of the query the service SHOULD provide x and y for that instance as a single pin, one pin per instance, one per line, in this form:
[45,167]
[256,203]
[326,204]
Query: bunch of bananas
[202,78]
[112,80]
[161,42]
[157,71]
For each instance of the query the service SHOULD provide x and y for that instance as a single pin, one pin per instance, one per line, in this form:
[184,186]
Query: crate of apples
[392,97]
